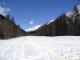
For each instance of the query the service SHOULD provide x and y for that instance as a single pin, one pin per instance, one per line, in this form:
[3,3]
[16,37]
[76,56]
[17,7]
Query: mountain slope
[69,14]
[33,28]
[8,27]
[38,26]
[65,24]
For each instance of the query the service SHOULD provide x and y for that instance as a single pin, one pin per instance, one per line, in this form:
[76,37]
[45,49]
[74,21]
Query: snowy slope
[36,27]
[50,22]
[78,8]
[33,28]
[41,48]
[69,14]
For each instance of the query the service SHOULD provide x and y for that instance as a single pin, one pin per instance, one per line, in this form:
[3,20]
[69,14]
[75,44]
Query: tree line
[8,27]
[62,25]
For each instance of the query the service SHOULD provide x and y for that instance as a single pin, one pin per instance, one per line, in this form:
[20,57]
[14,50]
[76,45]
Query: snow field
[41,48]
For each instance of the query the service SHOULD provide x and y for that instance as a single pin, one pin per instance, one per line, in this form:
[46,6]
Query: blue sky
[29,13]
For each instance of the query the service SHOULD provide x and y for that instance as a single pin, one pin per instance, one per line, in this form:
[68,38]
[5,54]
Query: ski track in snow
[40,48]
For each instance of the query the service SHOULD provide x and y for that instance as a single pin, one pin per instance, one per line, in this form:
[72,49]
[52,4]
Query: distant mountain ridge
[65,24]
[68,14]
[33,28]
[38,26]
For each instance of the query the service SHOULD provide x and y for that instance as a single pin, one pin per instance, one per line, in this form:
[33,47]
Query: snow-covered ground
[41,48]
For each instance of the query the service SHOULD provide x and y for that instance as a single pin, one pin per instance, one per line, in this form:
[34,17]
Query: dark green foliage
[8,28]
[76,20]
[55,28]
[62,25]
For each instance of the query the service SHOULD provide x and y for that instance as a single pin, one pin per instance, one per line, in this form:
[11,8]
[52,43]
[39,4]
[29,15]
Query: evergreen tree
[19,30]
[76,20]
[8,28]
[13,20]
[61,25]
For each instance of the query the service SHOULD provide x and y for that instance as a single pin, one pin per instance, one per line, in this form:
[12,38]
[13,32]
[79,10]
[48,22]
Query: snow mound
[41,48]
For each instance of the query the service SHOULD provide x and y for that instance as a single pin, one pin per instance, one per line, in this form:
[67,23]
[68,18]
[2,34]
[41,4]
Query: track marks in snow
[40,48]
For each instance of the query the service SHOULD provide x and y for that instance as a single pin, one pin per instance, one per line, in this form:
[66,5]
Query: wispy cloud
[52,11]
[8,9]
[56,11]
[37,13]
[3,3]
[3,11]
[31,22]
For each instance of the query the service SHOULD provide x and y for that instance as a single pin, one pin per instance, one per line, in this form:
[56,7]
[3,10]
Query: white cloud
[3,11]
[2,3]
[51,11]
[31,22]
[7,9]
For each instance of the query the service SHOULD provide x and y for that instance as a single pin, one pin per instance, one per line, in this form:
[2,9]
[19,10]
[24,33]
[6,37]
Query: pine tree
[19,30]
[8,27]
[13,26]
[76,20]
[61,25]
[13,20]
[53,28]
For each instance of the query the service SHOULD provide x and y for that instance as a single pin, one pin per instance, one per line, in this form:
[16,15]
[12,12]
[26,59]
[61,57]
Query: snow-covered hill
[69,14]
[36,27]
[41,48]
[50,22]
[33,28]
